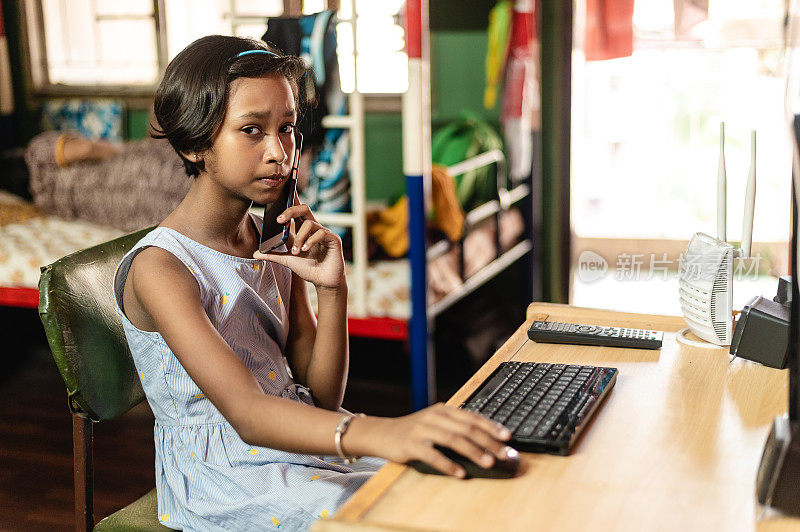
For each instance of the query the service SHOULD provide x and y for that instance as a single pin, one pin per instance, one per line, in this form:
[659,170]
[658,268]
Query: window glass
[645,150]
[646,127]
[113,42]
[110,42]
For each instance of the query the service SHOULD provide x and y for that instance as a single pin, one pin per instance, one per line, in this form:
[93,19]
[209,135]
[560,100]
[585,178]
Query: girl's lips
[271,180]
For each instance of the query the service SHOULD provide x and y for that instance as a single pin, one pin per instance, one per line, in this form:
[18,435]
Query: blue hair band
[246,52]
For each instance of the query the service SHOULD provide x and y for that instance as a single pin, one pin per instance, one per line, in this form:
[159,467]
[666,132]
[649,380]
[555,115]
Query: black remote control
[574,333]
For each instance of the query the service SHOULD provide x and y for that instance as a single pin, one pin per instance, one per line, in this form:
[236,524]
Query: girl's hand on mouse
[315,252]
[472,435]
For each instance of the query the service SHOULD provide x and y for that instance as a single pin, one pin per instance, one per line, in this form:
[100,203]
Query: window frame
[37,76]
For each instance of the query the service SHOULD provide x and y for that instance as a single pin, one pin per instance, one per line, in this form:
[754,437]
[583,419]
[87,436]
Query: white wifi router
[705,279]
[706,288]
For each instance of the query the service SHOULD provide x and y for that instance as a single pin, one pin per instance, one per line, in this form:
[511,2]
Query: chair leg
[84,473]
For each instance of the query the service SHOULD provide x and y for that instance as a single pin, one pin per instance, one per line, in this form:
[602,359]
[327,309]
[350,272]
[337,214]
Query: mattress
[30,239]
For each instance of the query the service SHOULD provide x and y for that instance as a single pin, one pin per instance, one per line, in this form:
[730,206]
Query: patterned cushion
[94,119]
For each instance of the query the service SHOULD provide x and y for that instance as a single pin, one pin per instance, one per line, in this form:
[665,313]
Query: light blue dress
[207,478]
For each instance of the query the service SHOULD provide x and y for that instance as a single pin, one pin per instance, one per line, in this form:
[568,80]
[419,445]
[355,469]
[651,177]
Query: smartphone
[273,234]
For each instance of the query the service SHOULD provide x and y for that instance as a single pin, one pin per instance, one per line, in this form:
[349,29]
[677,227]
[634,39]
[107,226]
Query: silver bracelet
[341,428]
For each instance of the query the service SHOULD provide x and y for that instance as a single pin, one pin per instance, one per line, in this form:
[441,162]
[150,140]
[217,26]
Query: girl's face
[251,153]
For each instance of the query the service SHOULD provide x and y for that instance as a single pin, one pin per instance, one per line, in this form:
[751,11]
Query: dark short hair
[191,99]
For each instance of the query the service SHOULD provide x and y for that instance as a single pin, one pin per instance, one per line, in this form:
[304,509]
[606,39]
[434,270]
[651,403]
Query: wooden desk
[675,446]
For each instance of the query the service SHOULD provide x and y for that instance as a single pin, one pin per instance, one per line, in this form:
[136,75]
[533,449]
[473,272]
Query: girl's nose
[274,151]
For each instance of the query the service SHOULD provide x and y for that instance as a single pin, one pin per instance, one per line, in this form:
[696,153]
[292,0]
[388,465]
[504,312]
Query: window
[86,42]
[645,145]
[188,20]
[382,63]
[93,45]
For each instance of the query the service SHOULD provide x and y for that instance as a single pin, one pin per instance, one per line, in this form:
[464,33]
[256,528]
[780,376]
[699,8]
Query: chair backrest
[76,305]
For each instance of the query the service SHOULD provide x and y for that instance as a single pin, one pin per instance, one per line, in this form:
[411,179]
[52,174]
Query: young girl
[246,385]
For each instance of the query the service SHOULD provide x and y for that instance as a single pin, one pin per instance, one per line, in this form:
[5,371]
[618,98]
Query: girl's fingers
[475,433]
[302,211]
[438,460]
[314,239]
[461,444]
[300,237]
[497,430]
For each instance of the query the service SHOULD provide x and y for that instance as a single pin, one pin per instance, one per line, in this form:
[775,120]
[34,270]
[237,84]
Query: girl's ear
[194,156]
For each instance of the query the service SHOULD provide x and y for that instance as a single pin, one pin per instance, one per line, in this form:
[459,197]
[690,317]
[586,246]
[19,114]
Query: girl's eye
[288,128]
[250,130]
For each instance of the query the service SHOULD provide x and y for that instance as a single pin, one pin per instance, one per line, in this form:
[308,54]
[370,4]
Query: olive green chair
[76,305]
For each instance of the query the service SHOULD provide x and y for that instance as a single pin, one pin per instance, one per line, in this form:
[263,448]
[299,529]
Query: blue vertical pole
[414,137]
[418,328]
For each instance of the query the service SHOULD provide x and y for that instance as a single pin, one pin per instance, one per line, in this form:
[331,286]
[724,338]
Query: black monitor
[778,473]
[794,325]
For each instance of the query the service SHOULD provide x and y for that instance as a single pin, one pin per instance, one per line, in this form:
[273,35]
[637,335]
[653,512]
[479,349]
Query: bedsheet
[30,239]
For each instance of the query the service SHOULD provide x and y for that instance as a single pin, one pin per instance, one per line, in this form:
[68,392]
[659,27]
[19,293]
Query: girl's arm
[321,365]
[317,350]
[168,295]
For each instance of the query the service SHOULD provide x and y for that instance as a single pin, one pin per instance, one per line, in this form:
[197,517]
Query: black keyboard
[545,406]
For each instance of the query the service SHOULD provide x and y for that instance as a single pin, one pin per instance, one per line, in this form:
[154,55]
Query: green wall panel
[384,156]
[138,121]
[458,75]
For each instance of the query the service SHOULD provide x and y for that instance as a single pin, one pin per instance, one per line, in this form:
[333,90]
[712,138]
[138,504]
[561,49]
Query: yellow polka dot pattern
[199,395]
[315,477]
[141,375]
[323,514]
[256,266]
[252,451]
[275,521]
[272,375]
[164,517]
[224,299]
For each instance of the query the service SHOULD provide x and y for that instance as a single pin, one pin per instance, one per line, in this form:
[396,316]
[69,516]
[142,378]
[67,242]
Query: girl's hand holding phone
[315,252]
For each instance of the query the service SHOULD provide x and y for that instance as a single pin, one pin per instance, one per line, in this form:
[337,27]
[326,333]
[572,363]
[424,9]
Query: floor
[36,486]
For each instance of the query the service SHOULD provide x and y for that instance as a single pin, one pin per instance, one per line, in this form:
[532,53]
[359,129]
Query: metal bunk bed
[417,169]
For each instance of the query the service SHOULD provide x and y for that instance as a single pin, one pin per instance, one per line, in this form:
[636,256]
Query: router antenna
[721,188]
[749,200]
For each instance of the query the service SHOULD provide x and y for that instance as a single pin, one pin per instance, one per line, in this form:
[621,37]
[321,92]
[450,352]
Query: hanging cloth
[499,38]
[609,29]
[389,227]
[520,116]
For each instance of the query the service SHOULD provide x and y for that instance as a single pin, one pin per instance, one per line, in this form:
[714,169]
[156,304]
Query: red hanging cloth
[609,29]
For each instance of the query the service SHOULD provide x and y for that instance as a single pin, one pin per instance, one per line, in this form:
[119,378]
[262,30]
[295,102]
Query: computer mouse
[501,469]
